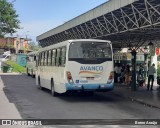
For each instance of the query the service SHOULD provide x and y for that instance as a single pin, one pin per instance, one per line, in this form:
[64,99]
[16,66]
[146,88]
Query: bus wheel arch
[53,93]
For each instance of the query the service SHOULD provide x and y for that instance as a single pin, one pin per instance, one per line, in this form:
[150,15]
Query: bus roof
[64,43]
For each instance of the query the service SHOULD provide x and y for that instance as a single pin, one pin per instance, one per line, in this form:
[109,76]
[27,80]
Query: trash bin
[5,69]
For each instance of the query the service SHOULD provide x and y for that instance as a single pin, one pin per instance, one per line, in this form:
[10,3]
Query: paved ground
[33,103]
[8,110]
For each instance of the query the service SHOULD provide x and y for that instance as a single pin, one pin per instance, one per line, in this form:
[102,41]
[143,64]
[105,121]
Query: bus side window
[42,58]
[49,58]
[39,59]
[63,56]
[53,57]
[34,58]
[46,58]
[60,58]
[57,57]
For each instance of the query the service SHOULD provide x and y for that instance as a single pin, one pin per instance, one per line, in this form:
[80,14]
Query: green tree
[8,18]
[33,46]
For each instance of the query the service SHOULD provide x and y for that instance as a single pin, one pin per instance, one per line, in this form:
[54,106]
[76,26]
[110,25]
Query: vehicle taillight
[69,77]
[110,78]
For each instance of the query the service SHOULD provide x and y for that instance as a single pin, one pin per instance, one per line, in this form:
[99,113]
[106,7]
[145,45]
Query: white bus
[31,63]
[78,65]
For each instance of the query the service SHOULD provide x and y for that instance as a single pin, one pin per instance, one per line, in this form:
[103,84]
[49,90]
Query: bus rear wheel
[27,72]
[53,93]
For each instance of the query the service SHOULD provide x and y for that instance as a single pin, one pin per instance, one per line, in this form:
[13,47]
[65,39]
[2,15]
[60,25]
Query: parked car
[4,57]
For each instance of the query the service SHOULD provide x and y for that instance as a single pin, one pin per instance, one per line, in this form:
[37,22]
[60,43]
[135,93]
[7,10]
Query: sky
[40,16]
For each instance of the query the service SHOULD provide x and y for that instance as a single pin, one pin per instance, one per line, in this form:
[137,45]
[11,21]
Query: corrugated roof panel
[105,8]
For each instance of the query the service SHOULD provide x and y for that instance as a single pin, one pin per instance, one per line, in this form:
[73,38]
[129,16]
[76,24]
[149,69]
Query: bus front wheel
[33,76]
[53,93]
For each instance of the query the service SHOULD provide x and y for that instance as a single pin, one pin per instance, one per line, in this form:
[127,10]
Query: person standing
[127,76]
[116,73]
[151,72]
[145,72]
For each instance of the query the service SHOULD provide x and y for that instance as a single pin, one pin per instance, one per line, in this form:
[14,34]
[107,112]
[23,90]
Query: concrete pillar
[133,85]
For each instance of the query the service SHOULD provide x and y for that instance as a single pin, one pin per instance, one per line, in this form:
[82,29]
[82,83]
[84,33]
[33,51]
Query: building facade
[14,44]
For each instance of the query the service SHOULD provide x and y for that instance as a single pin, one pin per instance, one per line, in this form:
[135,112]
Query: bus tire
[27,72]
[53,93]
[39,83]
[33,76]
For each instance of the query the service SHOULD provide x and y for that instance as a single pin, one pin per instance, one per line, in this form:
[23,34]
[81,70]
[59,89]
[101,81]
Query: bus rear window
[90,50]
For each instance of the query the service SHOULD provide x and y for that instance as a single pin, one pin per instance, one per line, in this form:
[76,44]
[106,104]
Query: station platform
[141,95]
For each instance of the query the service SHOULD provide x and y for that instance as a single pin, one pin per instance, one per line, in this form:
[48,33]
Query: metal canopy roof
[121,21]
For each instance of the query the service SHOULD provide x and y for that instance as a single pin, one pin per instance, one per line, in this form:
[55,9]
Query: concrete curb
[13,73]
[144,102]
[141,101]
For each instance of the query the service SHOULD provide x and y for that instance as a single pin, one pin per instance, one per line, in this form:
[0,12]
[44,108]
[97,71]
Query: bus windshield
[90,50]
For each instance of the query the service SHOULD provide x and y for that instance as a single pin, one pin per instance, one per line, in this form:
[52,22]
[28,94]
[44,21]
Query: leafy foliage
[16,67]
[8,18]
[33,46]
